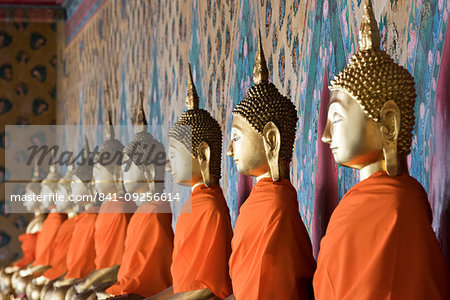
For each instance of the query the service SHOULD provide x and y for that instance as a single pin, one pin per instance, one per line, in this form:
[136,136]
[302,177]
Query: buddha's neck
[367,171]
[196,185]
[265,175]
[283,168]
[380,165]
[214,181]
[71,214]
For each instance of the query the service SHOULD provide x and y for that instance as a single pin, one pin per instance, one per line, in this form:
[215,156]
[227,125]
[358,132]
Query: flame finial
[192,100]
[260,71]
[141,121]
[109,130]
[369,34]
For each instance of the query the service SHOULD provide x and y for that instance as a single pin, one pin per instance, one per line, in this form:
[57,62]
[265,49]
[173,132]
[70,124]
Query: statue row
[379,243]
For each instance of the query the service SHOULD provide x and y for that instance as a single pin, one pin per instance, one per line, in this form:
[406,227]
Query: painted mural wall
[28,60]
[122,47]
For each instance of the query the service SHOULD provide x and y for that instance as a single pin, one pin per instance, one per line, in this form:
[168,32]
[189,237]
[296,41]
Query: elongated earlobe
[118,181]
[390,126]
[150,176]
[272,142]
[204,158]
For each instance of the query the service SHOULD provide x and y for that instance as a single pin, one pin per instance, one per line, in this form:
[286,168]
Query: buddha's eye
[236,138]
[336,118]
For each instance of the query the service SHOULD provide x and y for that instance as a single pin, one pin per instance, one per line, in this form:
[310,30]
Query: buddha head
[49,187]
[263,128]
[195,144]
[81,182]
[32,189]
[143,163]
[63,204]
[371,112]
[107,167]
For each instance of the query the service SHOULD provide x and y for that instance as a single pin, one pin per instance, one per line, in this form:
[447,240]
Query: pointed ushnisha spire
[53,169]
[192,97]
[86,148]
[35,171]
[109,130]
[141,121]
[260,71]
[369,34]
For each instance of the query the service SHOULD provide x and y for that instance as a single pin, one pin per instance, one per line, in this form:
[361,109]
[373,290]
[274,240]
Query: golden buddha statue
[268,120]
[32,290]
[382,96]
[49,187]
[10,273]
[380,233]
[203,230]
[34,188]
[261,143]
[63,205]
[81,186]
[144,269]
[77,181]
[197,132]
[107,177]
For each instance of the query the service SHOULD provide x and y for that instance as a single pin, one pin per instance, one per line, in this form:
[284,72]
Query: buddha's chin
[240,169]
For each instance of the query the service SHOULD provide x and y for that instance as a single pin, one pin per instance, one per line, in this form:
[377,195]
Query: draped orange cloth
[45,239]
[110,232]
[80,258]
[59,249]
[380,245]
[202,244]
[272,253]
[28,246]
[145,267]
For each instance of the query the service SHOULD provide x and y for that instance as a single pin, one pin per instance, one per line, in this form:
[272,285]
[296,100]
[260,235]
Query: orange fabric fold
[380,245]
[145,267]
[45,239]
[110,232]
[272,253]
[60,246]
[28,247]
[202,244]
[80,258]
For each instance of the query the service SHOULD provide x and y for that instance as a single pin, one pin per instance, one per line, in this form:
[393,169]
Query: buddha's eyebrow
[237,126]
[336,100]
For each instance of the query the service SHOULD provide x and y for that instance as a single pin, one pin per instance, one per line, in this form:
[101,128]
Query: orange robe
[202,244]
[145,267]
[28,249]
[380,245]
[110,232]
[60,246]
[45,239]
[272,253]
[80,258]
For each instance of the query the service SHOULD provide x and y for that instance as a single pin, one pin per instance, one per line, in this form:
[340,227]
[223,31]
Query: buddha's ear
[149,173]
[272,143]
[118,179]
[390,128]
[204,158]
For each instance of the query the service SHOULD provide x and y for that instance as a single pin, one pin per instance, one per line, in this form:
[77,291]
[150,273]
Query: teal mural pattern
[128,46]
